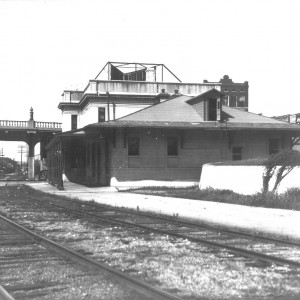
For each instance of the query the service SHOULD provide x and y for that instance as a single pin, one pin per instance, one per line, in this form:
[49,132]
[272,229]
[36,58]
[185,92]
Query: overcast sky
[51,45]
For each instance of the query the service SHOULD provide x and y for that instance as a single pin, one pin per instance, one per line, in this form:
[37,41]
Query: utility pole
[2,158]
[21,150]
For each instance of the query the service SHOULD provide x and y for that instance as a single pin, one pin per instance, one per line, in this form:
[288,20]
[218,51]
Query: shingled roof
[178,113]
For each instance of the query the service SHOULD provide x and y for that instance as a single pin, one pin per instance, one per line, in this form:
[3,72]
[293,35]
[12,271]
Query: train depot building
[130,128]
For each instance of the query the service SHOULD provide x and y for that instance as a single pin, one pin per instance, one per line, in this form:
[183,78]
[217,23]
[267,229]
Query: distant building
[290,118]
[236,94]
[294,119]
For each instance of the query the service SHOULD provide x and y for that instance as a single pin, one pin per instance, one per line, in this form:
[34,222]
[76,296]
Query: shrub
[279,165]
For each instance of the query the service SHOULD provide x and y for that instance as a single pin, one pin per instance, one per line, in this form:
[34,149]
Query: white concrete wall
[119,86]
[66,121]
[150,183]
[90,114]
[123,110]
[245,180]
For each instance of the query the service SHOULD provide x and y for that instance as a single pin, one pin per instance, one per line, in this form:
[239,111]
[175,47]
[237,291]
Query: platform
[268,221]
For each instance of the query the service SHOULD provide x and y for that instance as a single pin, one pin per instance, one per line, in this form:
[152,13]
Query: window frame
[129,146]
[74,122]
[176,153]
[278,145]
[88,155]
[233,101]
[212,108]
[101,112]
[234,155]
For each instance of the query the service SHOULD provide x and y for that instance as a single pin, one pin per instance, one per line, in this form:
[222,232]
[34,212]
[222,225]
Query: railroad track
[263,249]
[23,250]
[129,241]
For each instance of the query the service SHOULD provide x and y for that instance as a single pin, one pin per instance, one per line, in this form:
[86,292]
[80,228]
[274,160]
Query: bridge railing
[8,123]
[52,125]
[25,124]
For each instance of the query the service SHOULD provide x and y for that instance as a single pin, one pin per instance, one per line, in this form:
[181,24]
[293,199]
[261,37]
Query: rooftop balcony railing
[144,87]
[140,87]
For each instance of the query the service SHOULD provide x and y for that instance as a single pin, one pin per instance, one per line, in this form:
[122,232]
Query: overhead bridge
[30,132]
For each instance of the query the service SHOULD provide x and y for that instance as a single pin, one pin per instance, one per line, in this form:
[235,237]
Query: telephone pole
[2,158]
[21,150]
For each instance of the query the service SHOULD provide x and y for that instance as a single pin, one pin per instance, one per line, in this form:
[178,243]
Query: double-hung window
[172,146]
[237,153]
[134,146]
[101,114]
[73,122]
[274,146]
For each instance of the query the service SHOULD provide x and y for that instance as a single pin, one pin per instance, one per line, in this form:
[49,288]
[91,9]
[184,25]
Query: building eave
[207,125]
[117,98]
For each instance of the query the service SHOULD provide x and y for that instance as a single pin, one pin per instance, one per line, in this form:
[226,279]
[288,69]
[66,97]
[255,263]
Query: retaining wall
[245,180]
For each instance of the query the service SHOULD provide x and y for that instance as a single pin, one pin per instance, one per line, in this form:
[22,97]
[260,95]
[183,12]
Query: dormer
[208,105]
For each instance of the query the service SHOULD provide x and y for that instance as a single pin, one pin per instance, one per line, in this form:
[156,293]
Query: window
[73,122]
[212,109]
[172,146]
[237,153]
[88,155]
[101,114]
[134,146]
[274,146]
[233,101]
[226,101]
[241,101]
[73,158]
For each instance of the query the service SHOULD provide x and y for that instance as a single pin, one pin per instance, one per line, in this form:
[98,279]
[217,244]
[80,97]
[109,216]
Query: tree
[279,166]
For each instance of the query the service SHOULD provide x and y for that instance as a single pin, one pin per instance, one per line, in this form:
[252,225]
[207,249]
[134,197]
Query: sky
[47,46]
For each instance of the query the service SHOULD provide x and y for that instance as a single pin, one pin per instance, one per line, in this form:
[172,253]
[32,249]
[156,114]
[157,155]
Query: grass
[288,200]
[259,161]
[13,176]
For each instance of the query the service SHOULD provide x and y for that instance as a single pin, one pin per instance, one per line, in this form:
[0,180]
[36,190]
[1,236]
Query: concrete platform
[274,222]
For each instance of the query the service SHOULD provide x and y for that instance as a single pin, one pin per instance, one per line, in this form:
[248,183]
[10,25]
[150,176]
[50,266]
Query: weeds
[288,200]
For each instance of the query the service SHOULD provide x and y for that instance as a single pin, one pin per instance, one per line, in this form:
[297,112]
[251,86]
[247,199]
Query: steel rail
[4,295]
[182,222]
[138,285]
[232,249]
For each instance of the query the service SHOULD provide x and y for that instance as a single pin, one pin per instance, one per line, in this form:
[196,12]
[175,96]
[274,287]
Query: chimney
[163,96]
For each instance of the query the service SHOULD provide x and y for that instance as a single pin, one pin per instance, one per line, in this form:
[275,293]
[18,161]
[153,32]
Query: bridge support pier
[31,174]
[31,168]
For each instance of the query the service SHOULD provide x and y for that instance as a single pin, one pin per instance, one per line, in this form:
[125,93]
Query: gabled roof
[211,93]
[178,113]
[173,110]
[234,115]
